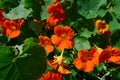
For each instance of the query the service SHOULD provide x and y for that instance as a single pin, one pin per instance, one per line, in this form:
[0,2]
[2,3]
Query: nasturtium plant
[59,40]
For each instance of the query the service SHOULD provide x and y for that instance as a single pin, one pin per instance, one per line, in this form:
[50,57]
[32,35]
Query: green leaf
[116,74]
[8,4]
[117,45]
[81,43]
[28,3]
[36,7]
[99,40]
[30,40]
[12,1]
[36,27]
[115,38]
[114,24]
[91,8]
[6,56]
[44,13]
[87,33]
[3,39]
[29,65]
[18,12]
[116,8]
[101,67]
[71,12]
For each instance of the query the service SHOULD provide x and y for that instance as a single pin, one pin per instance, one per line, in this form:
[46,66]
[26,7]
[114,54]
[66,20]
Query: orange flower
[51,76]
[59,64]
[110,55]
[46,43]
[101,26]
[12,27]
[56,14]
[63,37]
[51,23]
[87,60]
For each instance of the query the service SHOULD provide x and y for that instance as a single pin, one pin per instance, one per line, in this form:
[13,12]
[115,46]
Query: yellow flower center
[87,57]
[46,42]
[63,36]
[13,28]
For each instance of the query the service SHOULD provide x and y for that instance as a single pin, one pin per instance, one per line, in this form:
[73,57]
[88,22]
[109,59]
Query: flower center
[63,36]
[102,26]
[46,42]
[13,28]
[55,13]
[86,57]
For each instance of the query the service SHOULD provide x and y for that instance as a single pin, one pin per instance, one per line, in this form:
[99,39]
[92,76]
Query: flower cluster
[65,35]
[63,38]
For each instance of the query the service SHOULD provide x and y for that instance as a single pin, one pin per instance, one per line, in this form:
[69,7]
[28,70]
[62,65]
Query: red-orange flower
[63,37]
[12,27]
[57,14]
[51,76]
[110,55]
[87,60]
[46,43]
[101,26]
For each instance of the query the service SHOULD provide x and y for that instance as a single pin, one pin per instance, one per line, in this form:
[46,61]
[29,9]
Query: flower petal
[12,33]
[51,76]
[78,64]
[65,44]
[55,40]
[114,59]
[89,66]
[49,48]
[54,66]
[62,70]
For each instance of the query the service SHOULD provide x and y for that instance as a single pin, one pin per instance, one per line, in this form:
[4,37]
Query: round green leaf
[29,65]
[81,43]
[92,8]
[18,12]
